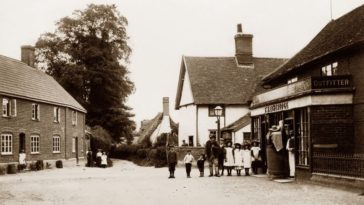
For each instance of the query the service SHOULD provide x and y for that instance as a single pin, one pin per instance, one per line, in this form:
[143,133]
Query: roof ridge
[13,59]
[276,58]
[209,57]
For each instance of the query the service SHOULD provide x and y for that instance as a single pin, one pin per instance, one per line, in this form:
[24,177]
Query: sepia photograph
[183,102]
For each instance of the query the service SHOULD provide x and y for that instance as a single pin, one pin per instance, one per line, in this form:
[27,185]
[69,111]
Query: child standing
[188,163]
[103,160]
[229,158]
[172,161]
[256,161]
[247,159]
[201,164]
[238,156]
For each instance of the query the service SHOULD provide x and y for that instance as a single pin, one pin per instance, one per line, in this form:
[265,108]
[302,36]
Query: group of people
[219,158]
[101,159]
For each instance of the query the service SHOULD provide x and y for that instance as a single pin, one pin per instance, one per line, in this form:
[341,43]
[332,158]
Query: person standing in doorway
[22,160]
[291,157]
[172,161]
[212,150]
[188,163]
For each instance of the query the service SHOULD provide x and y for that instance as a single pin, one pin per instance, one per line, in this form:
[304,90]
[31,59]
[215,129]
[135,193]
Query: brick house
[319,93]
[38,115]
[229,82]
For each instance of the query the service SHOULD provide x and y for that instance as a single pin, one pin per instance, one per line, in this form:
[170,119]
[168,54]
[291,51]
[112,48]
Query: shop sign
[331,82]
[276,107]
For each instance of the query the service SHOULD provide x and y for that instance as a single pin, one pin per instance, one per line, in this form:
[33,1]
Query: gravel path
[128,184]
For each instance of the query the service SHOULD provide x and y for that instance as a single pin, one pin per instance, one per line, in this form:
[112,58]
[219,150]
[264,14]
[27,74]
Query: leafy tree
[87,54]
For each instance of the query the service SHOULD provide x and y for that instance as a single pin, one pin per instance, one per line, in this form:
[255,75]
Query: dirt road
[128,184]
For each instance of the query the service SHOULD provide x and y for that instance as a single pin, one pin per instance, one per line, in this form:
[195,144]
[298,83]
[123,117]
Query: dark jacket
[212,149]
[172,157]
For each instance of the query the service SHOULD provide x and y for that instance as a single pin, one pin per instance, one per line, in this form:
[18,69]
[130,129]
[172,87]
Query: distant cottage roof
[219,80]
[341,33]
[19,80]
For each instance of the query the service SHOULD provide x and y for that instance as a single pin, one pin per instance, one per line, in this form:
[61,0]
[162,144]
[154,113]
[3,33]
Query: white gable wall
[238,135]
[187,123]
[186,96]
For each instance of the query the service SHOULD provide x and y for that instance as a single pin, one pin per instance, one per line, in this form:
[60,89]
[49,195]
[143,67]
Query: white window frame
[6,144]
[330,69]
[56,114]
[56,144]
[292,80]
[74,117]
[6,107]
[35,111]
[34,144]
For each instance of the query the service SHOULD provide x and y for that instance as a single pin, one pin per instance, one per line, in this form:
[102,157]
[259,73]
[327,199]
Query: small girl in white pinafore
[247,159]
[238,156]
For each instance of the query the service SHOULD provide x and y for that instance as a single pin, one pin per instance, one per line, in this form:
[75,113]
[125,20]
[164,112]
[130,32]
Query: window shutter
[13,108]
[33,111]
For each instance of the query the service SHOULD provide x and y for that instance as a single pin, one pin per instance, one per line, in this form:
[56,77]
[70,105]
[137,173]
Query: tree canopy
[88,54]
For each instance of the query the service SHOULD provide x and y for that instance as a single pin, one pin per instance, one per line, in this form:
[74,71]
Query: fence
[351,165]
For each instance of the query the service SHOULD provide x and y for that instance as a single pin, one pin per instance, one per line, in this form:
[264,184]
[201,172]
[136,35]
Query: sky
[162,31]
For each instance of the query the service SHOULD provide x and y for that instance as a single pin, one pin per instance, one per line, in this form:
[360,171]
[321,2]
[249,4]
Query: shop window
[56,144]
[256,128]
[329,70]
[6,144]
[34,144]
[303,136]
[212,110]
[247,136]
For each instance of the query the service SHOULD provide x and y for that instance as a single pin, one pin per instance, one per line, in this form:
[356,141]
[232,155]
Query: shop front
[317,111]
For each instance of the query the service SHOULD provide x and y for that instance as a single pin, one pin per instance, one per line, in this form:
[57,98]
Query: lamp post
[218,113]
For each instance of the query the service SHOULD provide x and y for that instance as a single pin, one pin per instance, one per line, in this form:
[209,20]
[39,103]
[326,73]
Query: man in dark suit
[212,150]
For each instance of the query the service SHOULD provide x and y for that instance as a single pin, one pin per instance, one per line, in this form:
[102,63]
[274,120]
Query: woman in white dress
[247,159]
[238,156]
[229,158]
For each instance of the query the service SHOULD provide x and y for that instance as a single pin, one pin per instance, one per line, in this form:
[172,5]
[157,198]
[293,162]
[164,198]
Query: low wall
[195,151]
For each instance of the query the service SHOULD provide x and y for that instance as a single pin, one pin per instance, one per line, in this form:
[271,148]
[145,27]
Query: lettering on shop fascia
[276,107]
[330,83]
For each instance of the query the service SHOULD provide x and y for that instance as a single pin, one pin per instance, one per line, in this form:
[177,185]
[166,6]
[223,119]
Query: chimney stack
[27,55]
[243,47]
[165,106]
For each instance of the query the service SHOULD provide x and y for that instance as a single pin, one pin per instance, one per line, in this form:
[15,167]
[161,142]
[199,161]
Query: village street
[126,183]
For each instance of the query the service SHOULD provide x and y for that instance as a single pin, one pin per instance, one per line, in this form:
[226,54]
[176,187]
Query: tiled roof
[218,80]
[19,80]
[238,124]
[341,33]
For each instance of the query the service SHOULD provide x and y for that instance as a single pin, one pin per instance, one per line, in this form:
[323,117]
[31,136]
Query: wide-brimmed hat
[212,136]
[237,144]
[274,128]
[255,142]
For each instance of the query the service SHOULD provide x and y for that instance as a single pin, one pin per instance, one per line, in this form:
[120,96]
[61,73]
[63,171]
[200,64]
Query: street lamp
[218,113]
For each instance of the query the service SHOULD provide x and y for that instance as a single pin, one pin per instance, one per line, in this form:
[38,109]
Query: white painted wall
[206,123]
[186,96]
[238,135]
[187,123]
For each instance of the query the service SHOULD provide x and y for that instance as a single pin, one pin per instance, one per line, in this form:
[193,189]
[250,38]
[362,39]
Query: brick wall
[46,128]
[332,124]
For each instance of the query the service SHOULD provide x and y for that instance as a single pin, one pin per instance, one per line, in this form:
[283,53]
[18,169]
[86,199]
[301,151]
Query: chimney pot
[239,28]
[166,106]
[27,55]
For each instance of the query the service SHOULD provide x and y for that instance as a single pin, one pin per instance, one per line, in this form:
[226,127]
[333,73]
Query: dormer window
[329,70]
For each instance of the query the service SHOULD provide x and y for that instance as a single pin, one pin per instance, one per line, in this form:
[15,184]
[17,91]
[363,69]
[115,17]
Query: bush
[100,139]
[39,165]
[33,166]
[2,170]
[12,169]
[59,164]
